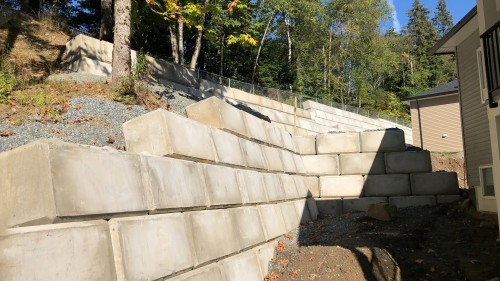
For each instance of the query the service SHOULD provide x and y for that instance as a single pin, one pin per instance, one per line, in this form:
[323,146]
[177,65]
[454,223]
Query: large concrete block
[90,66]
[252,187]
[362,164]
[273,158]
[341,186]
[173,183]
[408,162]
[214,234]
[305,145]
[47,179]
[302,210]
[289,187]
[288,162]
[290,215]
[445,199]
[85,46]
[256,128]
[143,246]
[274,187]
[244,267]
[288,142]
[253,154]
[434,183]
[222,185]
[321,165]
[176,73]
[391,140]
[360,204]
[337,143]
[248,226]
[299,164]
[216,113]
[265,254]
[69,251]
[274,135]
[209,272]
[272,220]
[312,184]
[313,208]
[387,185]
[329,206]
[161,133]
[301,187]
[412,201]
[228,149]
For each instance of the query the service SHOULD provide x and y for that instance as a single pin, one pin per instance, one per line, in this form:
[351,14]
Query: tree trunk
[199,35]
[121,47]
[287,23]
[260,47]
[221,70]
[173,44]
[180,40]
[106,28]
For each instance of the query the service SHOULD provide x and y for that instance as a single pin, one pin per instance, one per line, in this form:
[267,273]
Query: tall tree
[106,28]
[443,21]
[121,47]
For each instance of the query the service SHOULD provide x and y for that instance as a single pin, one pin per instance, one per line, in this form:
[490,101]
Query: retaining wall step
[445,199]
[273,158]
[256,128]
[312,184]
[244,267]
[362,164]
[248,226]
[288,162]
[321,165]
[443,183]
[272,220]
[228,149]
[252,187]
[289,188]
[387,185]
[408,162]
[305,145]
[341,186]
[337,143]
[290,215]
[274,187]
[222,185]
[253,154]
[392,140]
[329,206]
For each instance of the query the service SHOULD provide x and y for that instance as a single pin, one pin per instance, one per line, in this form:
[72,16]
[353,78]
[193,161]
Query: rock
[381,211]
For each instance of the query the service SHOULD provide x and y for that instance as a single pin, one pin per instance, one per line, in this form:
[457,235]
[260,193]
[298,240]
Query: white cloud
[395,20]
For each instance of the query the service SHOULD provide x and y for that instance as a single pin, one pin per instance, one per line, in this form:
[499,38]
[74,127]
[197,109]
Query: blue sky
[458,9]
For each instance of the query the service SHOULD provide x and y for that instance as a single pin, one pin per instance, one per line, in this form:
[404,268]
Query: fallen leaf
[283,263]
[6,133]
[281,246]
[293,274]
[91,142]
[78,107]
[433,268]
[110,140]
[288,236]
[419,261]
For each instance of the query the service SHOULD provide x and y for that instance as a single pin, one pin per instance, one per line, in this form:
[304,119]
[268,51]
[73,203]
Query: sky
[457,8]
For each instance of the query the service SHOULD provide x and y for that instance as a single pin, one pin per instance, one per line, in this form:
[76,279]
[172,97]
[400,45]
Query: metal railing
[287,97]
[491,47]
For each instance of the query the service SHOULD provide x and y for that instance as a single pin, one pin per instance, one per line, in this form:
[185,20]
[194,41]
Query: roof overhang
[463,29]
[407,101]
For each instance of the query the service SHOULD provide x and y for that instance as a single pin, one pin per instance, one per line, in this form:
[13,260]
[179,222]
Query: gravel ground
[89,120]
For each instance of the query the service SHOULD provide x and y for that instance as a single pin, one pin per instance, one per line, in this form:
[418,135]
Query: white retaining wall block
[227,148]
[412,201]
[303,113]
[321,165]
[265,254]
[256,128]
[305,145]
[288,142]
[252,187]
[313,208]
[47,179]
[161,133]
[173,183]
[210,272]
[290,215]
[222,185]
[274,135]
[89,47]
[299,164]
[217,113]
[289,187]
[272,220]
[253,154]
[445,199]
[288,161]
[274,187]
[387,185]
[214,234]
[337,143]
[443,183]
[302,210]
[329,206]
[408,162]
[90,66]
[143,246]
[312,184]
[362,164]
[248,226]
[360,204]
[273,158]
[392,140]
[60,252]
[244,267]
[341,186]
[302,190]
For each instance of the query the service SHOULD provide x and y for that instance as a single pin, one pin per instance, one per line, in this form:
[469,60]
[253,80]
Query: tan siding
[475,118]
[439,116]
[414,123]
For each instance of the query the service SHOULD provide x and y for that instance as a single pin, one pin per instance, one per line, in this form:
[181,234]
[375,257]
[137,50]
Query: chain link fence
[288,97]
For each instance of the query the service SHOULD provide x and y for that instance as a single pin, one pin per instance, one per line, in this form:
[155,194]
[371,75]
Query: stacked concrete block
[244,267]
[248,226]
[289,188]
[265,254]
[329,206]
[445,199]
[222,185]
[210,272]
[360,204]
[382,141]
[163,133]
[408,162]
[387,185]
[313,208]
[69,251]
[173,183]
[274,187]
[412,201]
[275,137]
[320,165]
[256,128]
[48,179]
[252,187]
[272,220]
[341,186]
[143,246]
[362,164]
[303,210]
[273,158]
[439,183]
[337,143]
[216,113]
[253,154]
[301,187]
[227,148]
[288,142]
[299,164]
[305,145]
[290,215]
[312,184]
[288,162]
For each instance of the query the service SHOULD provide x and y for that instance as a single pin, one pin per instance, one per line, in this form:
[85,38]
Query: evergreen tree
[443,21]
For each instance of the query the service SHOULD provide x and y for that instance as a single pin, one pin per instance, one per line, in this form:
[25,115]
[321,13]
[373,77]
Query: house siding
[474,113]
[438,116]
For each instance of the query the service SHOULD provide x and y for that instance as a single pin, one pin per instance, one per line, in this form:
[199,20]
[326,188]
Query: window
[486,179]
[483,90]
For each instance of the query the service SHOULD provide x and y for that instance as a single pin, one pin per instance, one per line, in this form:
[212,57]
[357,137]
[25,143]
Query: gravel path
[89,120]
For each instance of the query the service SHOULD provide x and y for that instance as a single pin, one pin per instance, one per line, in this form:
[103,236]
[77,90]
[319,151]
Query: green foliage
[127,90]
[7,79]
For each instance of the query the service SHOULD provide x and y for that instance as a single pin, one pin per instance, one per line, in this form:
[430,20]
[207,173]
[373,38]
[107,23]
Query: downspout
[461,116]
[420,126]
